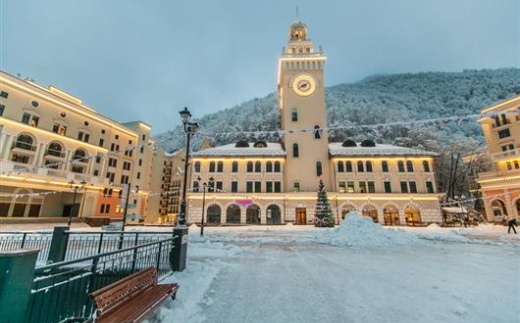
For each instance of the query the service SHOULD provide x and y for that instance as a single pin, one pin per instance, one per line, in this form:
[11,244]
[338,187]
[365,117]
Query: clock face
[304,85]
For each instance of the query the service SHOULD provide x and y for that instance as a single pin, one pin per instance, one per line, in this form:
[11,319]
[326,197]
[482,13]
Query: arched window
[197,167]
[80,154]
[296,153]
[213,214]
[249,166]
[220,167]
[258,167]
[319,169]
[426,166]
[277,167]
[233,214]
[384,166]
[55,149]
[369,166]
[341,167]
[409,166]
[360,166]
[400,166]
[317,132]
[294,114]
[212,167]
[234,167]
[269,166]
[24,142]
[348,166]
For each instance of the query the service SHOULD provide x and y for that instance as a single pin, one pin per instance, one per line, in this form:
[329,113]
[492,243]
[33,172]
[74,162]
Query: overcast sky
[146,60]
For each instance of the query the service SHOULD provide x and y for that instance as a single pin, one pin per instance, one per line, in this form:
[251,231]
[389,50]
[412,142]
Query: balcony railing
[54,153]
[505,155]
[23,145]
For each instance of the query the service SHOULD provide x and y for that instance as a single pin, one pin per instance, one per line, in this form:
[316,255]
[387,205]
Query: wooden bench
[131,299]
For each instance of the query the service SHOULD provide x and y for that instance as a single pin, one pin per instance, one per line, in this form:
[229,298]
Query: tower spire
[297,16]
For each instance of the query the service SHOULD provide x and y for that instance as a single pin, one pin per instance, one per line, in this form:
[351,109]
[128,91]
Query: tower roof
[298,31]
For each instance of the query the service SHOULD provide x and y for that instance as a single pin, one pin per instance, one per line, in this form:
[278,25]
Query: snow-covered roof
[336,149]
[272,149]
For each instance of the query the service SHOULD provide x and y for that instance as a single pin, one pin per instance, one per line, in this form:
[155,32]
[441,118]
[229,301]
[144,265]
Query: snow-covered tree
[322,212]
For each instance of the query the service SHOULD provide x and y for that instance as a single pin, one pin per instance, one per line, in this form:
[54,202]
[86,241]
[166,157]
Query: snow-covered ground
[357,272]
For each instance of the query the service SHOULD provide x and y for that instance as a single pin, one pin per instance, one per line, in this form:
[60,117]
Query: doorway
[301,215]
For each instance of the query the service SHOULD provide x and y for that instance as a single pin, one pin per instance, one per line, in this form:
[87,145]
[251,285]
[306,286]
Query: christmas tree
[323,213]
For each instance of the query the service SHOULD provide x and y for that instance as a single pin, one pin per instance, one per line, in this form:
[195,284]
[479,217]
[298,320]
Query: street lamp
[204,185]
[75,188]
[190,129]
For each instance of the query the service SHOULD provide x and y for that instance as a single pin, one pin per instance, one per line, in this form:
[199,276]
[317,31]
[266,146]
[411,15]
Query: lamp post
[190,129]
[204,186]
[75,189]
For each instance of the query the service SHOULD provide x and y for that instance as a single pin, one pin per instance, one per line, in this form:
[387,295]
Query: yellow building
[501,187]
[276,183]
[60,158]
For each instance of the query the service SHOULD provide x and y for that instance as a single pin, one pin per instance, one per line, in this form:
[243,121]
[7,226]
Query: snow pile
[360,231]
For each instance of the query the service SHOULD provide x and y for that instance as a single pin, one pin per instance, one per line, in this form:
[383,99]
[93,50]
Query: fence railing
[60,291]
[77,244]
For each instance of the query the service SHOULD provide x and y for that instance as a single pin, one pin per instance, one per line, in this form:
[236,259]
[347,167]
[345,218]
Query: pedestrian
[512,224]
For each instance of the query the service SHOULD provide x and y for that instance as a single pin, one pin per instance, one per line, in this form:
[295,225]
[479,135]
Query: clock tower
[303,115]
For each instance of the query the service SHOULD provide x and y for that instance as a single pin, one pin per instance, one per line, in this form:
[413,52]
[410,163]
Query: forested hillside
[380,100]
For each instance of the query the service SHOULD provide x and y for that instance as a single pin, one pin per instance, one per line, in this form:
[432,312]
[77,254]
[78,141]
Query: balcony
[54,153]
[504,155]
[24,146]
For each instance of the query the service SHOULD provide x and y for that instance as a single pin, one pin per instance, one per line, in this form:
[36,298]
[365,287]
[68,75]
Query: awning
[456,209]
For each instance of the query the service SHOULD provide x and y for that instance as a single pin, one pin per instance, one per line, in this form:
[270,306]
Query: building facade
[500,187]
[276,183]
[60,158]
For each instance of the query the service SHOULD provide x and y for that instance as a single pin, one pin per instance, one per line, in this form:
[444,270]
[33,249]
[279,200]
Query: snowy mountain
[392,102]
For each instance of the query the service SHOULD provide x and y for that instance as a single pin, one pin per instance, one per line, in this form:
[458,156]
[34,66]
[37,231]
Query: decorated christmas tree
[323,213]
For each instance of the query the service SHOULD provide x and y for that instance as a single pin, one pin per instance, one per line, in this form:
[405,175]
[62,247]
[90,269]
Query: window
[294,114]
[269,166]
[249,187]
[220,167]
[212,167]
[124,179]
[384,166]
[258,187]
[317,132]
[111,176]
[360,167]
[319,169]
[20,159]
[25,142]
[277,167]
[350,187]
[30,120]
[219,186]
[83,136]
[409,166]
[258,167]
[296,186]
[515,162]
[369,166]
[388,187]
[117,137]
[413,187]
[144,137]
[277,187]
[140,162]
[96,172]
[400,166]
[341,167]
[249,166]
[196,167]
[342,187]
[504,133]
[509,167]
[426,166]
[234,187]
[429,187]
[295,153]
[234,167]
[348,166]
[362,187]
[76,169]
[142,149]
[101,142]
[4,94]
[404,187]
[2,108]
[127,165]
[98,158]
[59,129]
[371,187]
[269,187]
[112,162]
[112,147]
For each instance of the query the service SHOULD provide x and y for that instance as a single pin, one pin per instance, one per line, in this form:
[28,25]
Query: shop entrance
[301,215]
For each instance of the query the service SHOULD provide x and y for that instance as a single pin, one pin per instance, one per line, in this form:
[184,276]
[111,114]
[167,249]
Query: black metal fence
[60,291]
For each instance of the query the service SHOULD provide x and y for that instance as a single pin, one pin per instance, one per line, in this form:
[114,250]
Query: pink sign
[244,202]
